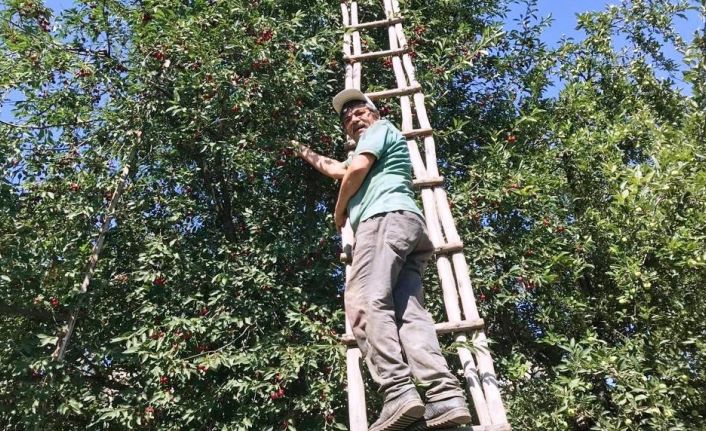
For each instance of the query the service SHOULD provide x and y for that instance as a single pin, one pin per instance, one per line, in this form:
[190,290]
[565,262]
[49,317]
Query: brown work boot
[399,413]
[447,413]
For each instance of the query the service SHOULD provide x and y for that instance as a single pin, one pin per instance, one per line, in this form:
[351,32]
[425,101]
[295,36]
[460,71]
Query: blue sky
[563,13]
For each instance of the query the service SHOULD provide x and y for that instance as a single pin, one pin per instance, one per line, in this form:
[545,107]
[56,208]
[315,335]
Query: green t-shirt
[388,185]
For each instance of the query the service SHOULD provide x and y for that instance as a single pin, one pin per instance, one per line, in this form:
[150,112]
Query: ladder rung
[441,328]
[428,182]
[376,54]
[462,326]
[496,427]
[405,91]
[416,133]
[375,24]
[345,256]
[452,247]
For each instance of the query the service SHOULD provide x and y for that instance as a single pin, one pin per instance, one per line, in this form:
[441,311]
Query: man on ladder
[384,297]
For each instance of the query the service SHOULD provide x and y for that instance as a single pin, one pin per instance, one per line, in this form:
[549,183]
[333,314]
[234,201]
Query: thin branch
[67,331]
[31,313]
[46,126]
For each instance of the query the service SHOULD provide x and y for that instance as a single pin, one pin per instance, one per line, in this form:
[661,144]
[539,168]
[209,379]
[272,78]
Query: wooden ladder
[464,320]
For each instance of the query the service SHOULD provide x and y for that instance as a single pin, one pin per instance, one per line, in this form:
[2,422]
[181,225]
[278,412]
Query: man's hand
[340,217]
[297,147]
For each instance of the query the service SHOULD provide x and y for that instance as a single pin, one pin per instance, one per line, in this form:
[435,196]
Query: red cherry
[164,380]
[54,302]
[511,139]
[202,368]
[157,335]
[159,281]
[158,55]
[235,109]
[560,229]
[385,111]
[387,63]
[481,297]
[265,36]
[83,72]
[74,187]
[44,24]
[260,64]
[546,222]
[149,410]
[203,311]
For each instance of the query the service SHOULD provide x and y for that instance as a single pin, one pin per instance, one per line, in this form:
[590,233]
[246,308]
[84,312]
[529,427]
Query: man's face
[357,119]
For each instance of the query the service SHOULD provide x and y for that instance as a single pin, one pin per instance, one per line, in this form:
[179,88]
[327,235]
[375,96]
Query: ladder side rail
[485,362]
[347,43]
[453,312]
[392,9]
[446,274]
[357,412]
[420,171]
[357,66]
[465,288]
[405,106]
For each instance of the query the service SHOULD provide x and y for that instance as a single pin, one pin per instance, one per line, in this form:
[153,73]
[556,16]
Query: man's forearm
[327,166]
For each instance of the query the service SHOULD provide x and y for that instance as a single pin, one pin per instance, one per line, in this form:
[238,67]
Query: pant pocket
[402,232]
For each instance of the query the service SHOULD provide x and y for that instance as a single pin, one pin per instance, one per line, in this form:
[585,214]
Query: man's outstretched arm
[329,167]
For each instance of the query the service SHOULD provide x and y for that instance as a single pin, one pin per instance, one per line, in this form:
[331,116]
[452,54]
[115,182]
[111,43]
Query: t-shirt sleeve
[373,140]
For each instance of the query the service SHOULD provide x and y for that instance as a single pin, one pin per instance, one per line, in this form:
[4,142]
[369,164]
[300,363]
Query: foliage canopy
[216,302]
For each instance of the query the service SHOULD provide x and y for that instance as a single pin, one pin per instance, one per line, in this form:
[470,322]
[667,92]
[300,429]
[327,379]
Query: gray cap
[348,95]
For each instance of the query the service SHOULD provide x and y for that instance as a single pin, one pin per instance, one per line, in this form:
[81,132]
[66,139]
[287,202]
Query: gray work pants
[385,305]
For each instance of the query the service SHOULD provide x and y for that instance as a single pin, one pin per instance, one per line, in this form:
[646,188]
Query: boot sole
[452,418]
[406,415]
